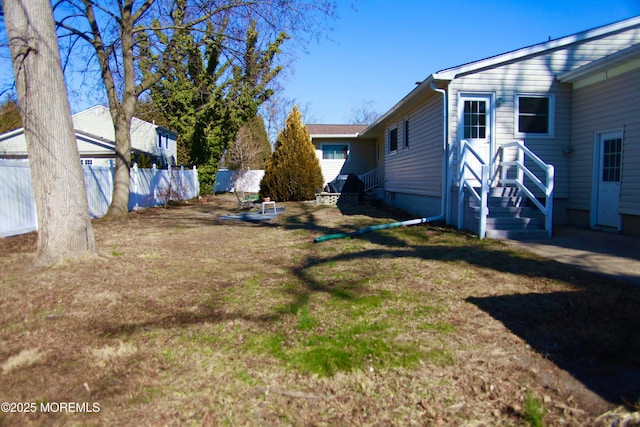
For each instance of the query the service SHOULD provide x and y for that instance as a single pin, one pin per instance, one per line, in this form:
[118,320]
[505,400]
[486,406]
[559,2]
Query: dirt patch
[187,319]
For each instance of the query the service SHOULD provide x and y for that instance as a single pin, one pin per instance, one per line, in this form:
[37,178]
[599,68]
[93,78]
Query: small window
[612,160]
[166,142]
[86,162]
[393,139]
[475,119]
[534,115]
[159,140]
[405,137]
[335,151]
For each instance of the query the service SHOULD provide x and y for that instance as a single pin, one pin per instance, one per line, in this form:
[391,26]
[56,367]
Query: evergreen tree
[209,98]
[293,172]
[9,116]
[251,148]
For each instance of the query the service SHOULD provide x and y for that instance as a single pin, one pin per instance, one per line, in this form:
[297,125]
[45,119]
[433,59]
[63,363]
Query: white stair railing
[463,182]
[545,184]
[370,179]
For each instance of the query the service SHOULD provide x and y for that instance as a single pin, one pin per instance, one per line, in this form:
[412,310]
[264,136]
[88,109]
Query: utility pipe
[443,196]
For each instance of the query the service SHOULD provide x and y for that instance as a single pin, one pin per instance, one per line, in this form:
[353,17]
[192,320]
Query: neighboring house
[93,150]
[146,137]
[483,127]
[342,151]
[95,136]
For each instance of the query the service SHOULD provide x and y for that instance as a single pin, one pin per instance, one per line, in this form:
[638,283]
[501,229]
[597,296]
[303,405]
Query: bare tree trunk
[64,226]
[119,207]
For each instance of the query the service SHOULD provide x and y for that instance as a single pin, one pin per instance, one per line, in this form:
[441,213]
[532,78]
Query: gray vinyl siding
[606,106]
[362,157]
[418,168]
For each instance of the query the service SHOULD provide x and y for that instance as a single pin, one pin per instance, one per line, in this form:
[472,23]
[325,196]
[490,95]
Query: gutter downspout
[444,188]
[445,211]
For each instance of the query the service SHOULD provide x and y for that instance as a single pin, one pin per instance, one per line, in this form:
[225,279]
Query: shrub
[293,171]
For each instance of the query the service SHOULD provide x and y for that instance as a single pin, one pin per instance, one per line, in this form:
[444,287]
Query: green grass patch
[305,321]
[351,349]
[533,411]
[441,327]
[355,347]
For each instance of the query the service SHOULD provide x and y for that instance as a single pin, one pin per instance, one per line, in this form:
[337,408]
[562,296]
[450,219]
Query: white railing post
[549,200]
[520,166]
[503,170]
[484,206]
[370,179]
[461,166]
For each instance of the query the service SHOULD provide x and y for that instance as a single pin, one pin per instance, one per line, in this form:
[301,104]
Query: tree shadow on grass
[592,334]
[590,331]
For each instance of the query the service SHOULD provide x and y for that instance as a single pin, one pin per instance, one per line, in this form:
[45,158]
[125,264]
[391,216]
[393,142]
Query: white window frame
[391,129]
[551,120]
[334,143]
[405,134]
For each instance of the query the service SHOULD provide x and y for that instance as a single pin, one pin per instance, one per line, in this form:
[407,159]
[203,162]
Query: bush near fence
[148,188]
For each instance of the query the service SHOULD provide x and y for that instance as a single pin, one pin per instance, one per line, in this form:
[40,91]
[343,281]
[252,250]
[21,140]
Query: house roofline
[11,133]
[334,135]
[422,87]
[611,61]
[594,33]
[448,74]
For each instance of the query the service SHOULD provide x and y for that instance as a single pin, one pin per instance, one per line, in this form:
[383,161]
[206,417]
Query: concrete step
[510,215]
[504,192]
[508,211]
[500,202]
[506,223]
[517,234]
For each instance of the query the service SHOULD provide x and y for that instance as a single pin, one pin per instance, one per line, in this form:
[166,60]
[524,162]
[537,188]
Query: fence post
[134,185]
[196,182]
[154,183]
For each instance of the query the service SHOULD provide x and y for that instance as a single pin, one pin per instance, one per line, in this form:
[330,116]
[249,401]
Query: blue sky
[378,49]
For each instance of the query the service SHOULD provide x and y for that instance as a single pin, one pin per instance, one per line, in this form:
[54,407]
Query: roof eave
[451,73]
[610,61]
[334,135]
[424,86]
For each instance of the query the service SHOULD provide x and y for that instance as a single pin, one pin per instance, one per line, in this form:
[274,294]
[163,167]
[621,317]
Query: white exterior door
[607,178]
[475,125]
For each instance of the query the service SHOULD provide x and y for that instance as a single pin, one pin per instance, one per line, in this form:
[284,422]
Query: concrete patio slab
[607,253]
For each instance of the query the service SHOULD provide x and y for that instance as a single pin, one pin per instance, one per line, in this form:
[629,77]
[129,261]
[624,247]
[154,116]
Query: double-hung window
[534,115]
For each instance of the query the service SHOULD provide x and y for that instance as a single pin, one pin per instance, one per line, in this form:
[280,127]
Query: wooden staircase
[510,216]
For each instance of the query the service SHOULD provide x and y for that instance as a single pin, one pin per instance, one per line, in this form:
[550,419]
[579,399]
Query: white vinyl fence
[148,188]
[230,180]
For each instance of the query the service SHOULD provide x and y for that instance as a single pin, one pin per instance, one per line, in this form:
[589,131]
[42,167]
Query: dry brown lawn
[186,319]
